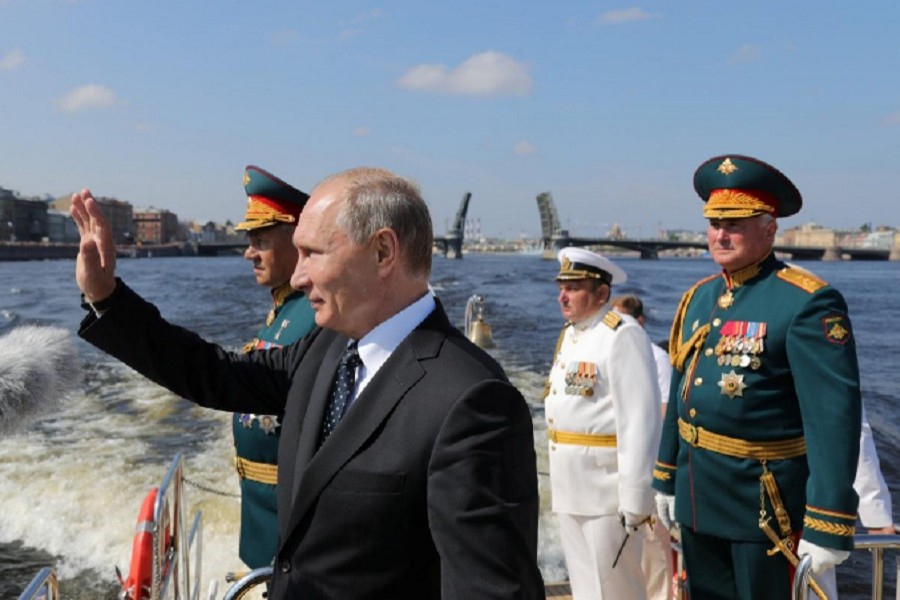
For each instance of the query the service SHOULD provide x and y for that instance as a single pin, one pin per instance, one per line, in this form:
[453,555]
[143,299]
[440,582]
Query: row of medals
[739,351]
[580,378]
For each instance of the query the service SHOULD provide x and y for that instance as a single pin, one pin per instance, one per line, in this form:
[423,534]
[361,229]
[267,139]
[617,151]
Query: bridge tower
[553,236]
[454,237]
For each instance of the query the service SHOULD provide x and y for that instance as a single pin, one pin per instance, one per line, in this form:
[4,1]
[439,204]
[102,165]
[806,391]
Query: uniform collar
[742,276]
[592,320]
[281,293]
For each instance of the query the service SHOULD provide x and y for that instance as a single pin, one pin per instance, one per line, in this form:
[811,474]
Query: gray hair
[377,199]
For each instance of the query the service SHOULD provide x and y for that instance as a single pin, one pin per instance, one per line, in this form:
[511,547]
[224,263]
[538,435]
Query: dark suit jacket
[426,489]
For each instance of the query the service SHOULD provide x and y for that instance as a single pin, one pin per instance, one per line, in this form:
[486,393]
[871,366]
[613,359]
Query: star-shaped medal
[268,423]
[732,384]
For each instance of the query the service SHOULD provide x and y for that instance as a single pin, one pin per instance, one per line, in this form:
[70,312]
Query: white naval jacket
[624,401]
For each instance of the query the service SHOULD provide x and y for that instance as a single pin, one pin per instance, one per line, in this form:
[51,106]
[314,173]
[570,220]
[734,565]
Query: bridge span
[555,238]
[650,248]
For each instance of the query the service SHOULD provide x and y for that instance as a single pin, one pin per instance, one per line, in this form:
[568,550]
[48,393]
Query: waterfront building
[61,228]
[810,235]
[156,226]
[22,219]
[118,212]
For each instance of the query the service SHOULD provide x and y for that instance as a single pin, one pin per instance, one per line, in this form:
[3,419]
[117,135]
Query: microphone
[38,365]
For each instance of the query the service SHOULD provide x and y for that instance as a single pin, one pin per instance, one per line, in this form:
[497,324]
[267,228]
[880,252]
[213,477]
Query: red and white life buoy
[138,584]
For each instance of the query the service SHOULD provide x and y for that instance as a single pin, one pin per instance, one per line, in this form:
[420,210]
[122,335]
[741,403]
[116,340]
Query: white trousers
[590,545]
[657,562]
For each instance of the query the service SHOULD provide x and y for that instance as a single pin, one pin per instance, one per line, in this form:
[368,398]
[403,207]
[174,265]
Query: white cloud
[486,74]
[892,119]
[87,96]
[522,148]
[624,15]
[747,53]
[12,60]
[143,127]
[361,132]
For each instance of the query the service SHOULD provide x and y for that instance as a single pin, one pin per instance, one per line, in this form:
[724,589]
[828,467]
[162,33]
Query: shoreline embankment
[20,251]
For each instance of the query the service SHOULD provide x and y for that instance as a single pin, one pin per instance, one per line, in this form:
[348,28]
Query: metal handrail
[875,543]
[170,564]
[45,584]
[248,581]
[173,563]
[196,535]
[800,584]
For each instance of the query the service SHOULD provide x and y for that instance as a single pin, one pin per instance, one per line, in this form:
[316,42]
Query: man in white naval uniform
[603,418]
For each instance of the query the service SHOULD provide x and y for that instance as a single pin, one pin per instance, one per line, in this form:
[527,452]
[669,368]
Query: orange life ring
[138,584]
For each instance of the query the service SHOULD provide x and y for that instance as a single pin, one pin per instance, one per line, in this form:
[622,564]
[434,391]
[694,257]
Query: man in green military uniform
[273,207]
[761,435]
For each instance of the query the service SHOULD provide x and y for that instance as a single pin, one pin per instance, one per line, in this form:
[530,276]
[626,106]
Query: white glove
[822,558]
[665,507]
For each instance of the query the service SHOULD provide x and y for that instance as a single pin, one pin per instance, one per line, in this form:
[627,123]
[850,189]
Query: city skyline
[608,106]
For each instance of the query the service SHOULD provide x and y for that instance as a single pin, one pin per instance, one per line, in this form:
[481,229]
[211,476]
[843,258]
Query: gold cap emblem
[566,264]
[727,167]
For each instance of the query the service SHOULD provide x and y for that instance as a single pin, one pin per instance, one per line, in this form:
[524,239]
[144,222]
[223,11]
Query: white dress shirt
[377,346]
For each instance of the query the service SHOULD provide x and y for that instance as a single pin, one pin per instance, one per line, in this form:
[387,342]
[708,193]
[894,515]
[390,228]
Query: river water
[71,484]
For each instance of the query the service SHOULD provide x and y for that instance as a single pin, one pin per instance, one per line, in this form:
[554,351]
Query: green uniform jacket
[256,437]
[778,363]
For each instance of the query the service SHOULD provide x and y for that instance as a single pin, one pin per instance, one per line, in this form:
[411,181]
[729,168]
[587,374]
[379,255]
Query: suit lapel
[318,400]
[395,378]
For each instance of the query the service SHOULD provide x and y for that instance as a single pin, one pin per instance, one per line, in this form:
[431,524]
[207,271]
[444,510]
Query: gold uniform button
[716,322]
[709,352]
[698,381]
[693,412]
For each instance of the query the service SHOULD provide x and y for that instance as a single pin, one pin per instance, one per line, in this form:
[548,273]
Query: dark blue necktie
[341,390]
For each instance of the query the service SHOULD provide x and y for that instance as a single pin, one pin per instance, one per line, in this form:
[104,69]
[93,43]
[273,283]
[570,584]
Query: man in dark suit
[427,487]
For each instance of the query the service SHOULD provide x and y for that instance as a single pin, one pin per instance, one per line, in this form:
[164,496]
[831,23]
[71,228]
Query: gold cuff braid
[828,527]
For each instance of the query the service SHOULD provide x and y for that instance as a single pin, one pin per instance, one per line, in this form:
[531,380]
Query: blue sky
[610,106]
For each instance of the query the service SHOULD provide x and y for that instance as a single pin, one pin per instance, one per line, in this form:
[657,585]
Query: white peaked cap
[579,263]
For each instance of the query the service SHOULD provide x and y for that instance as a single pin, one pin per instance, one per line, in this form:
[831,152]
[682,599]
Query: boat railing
[172,543]
[877,544]
[874,543]
[44,586]
[243,585]
[177,553]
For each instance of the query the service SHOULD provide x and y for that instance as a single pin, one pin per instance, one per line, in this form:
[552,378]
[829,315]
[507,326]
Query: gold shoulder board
[802,278]
[612,320]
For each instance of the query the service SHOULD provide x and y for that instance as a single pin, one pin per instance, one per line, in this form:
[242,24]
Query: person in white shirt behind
[875,508]
[656,557]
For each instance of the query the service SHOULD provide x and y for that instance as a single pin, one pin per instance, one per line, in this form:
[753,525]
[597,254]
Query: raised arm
[95,268]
